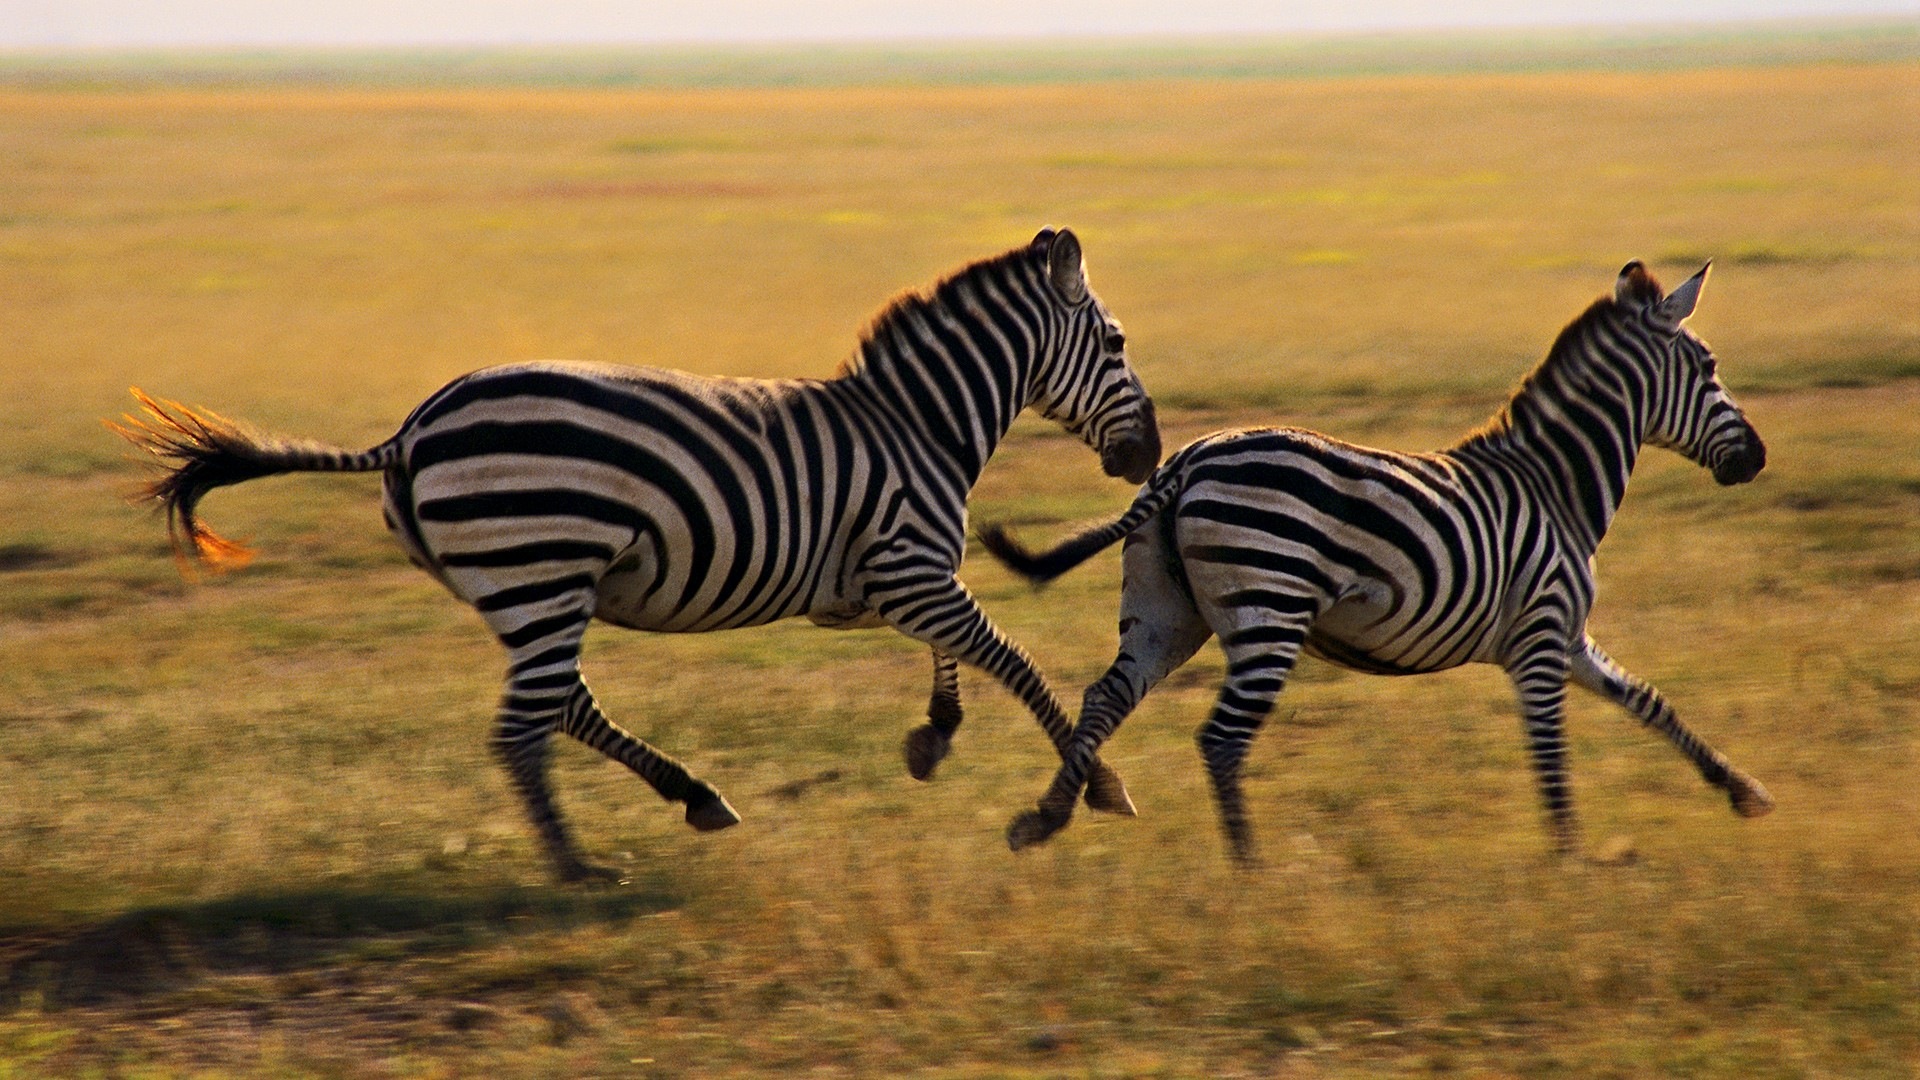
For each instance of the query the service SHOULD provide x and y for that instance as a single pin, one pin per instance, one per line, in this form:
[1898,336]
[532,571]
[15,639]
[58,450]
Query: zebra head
[1082,380]
[1688,410]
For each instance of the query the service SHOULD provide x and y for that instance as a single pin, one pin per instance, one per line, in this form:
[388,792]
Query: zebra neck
[1573,441]
[952,409]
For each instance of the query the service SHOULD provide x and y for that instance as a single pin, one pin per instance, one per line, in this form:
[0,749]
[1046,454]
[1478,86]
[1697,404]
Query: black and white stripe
[546,495]
[1278,540]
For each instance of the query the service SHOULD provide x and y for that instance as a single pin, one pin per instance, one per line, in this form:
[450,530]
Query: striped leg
[545,693]
[943,614]
[1159,631]
[1596,671]
[1538,670]
[929,743]
[520,742]
[1260,656]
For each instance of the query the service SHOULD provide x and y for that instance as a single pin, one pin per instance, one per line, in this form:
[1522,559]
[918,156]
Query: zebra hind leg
[707,810]
[1223,741]
[521,745]
[1108,702]
[1261,653]
[1159,630]
[929,743]
[545,693]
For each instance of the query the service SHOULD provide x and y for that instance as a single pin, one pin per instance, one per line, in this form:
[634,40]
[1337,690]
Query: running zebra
[546,495]
[1278,539]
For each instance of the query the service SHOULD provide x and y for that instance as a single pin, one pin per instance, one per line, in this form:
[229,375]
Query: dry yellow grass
[250,827]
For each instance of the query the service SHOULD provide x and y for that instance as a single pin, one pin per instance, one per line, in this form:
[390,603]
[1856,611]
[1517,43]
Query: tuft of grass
[675,144]
[1774,254]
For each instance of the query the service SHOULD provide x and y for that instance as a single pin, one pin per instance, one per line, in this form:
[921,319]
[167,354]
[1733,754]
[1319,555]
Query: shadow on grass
[162,950]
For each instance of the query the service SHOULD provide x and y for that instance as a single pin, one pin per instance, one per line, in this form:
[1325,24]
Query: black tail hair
[201,450]
[1042,567]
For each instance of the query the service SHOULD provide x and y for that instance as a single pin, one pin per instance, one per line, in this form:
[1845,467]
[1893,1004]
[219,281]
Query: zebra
[1280,539]
[546,495]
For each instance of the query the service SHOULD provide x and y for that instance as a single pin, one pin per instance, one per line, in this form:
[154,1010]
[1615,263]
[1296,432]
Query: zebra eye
[1709,366]
[1116,342]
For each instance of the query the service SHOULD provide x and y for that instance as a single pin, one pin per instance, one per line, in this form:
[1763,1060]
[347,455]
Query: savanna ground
[250,827]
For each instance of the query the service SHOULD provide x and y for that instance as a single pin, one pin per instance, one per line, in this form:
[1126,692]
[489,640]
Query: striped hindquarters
[690,504]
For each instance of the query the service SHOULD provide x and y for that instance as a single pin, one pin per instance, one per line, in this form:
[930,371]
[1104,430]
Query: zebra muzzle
[1135,454]
[1742,465]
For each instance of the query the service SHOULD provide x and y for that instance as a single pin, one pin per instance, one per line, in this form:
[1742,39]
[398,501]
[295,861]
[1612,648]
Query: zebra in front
[1279,540]
[548,495]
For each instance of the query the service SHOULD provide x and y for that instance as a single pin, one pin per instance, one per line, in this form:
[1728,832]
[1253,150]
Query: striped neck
[952,366]
[1574,426]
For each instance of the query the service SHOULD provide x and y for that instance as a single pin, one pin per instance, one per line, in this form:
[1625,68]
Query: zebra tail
[200,450]
[1042,567]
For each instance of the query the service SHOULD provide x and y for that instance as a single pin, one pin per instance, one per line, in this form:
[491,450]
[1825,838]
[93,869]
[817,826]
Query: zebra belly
[847,617]
[633,593]
[1370,631]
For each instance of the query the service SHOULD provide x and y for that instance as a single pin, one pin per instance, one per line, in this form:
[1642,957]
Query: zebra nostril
[1744,464]
[1133,456]
[1138,453]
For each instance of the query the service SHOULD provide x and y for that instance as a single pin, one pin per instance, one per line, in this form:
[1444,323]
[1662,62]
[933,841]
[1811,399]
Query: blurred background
[249,824]
[436,23]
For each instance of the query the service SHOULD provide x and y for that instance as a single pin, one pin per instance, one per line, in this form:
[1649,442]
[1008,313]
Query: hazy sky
[108,23]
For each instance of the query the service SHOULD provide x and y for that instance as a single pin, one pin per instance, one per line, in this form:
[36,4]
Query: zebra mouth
[1135,454]
[1743,465]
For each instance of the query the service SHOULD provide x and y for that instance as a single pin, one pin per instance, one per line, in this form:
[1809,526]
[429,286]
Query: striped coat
[548,495]
[1281,540]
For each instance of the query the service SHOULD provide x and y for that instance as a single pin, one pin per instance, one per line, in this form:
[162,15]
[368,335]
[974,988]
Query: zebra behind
[1279,540]
[547,495]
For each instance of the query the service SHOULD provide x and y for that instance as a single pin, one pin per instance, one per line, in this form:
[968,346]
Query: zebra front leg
[1159,630]
[1598,672]
[928,744]
[943,614]
[1539,675]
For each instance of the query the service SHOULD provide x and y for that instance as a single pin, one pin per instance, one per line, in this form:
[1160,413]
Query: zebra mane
[1561,356]
[909,303]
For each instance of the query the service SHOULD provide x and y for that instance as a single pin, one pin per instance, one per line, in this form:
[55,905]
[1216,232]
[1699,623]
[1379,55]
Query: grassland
[249,826]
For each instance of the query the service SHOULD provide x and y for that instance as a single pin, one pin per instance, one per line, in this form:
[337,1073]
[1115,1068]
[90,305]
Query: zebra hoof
[1032,827]
[1749,798]
[711,813]
[1107,793]
[581,872]
[926,747]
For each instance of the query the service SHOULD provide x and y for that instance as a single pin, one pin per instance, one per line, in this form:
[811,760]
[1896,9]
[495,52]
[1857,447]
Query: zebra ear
[1065,269]
[1635,287]
[1679,304]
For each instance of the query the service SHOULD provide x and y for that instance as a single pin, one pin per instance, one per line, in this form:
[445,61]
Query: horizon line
[1631,28]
